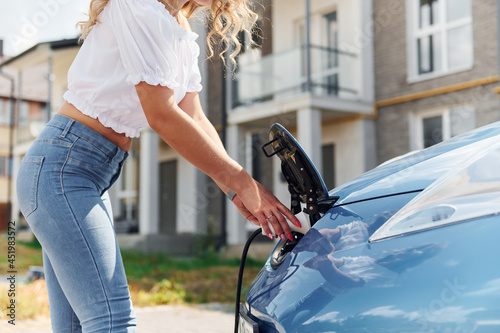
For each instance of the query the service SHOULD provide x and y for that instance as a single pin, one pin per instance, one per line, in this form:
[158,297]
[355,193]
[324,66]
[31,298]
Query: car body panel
[426,282]
[445,279]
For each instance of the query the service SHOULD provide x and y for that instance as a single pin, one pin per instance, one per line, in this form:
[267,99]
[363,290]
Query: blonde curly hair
[227,19]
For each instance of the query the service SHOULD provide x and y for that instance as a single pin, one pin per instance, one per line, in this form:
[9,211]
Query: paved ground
[158,319]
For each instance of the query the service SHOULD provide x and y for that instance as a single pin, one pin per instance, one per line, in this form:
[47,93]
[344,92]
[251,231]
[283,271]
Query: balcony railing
[281,75]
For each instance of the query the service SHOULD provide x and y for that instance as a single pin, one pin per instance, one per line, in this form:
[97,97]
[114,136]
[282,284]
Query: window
[324,54]
[253,40]
[24,110]
[331,81]
[328,160]
[258,164]
[168,193]
[5,111]
[251,84]
[432,127]
[301,44]
[432,130]
[439,37]
[5,166]
[126,207]
[256,160]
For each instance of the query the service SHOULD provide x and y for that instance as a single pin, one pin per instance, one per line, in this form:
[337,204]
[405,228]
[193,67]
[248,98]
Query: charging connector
[304,222]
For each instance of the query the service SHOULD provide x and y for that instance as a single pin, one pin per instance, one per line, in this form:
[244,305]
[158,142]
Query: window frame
[418,142]
[334,70]
[416,123]
[442,28]
[319,39]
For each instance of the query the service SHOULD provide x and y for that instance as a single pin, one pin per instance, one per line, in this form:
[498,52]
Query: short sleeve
[194,83]
[146,37]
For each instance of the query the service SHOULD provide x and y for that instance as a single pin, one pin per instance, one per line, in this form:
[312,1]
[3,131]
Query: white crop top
[136,40]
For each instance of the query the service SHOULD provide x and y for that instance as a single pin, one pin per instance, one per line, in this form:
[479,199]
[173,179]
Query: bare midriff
[119,139]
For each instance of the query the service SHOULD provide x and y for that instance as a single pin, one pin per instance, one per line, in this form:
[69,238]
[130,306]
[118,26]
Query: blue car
[410,246]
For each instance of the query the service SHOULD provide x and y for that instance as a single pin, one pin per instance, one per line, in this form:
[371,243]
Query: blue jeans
[62,191]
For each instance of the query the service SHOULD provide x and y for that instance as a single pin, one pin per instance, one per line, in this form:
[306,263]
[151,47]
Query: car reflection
[339,274]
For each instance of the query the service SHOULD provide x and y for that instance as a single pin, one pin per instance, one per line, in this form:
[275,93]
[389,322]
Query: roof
[19,61]
[33,64]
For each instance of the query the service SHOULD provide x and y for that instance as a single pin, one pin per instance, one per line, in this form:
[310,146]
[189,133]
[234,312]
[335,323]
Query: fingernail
[270,235]
[297,223]
[283,237]
[290,237]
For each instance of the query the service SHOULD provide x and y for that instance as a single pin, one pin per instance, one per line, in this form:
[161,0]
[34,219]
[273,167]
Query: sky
[24,23]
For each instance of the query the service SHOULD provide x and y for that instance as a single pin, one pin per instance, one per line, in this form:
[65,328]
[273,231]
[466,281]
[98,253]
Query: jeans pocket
[86,154]
[27,183]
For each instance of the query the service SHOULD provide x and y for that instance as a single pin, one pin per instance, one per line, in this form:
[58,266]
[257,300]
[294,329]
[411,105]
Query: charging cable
[240,278]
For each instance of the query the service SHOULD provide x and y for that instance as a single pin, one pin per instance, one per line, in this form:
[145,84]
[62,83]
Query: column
[236,225]
[149,197]
[190,202]
[309,134]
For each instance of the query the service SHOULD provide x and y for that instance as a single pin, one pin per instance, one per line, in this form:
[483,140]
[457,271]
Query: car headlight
[465,193]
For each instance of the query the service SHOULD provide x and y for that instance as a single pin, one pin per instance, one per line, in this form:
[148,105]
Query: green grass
[153,278]
[27,254]
[158,279]
[138,265]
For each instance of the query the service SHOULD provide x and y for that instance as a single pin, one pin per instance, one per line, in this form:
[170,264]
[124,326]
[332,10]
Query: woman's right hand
[245,212]
[259,206]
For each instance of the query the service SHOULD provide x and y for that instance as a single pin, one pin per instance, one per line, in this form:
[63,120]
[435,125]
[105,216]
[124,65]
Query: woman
[136,68]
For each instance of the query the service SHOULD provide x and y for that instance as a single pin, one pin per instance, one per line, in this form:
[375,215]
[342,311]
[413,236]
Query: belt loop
[66,129]
[117,156]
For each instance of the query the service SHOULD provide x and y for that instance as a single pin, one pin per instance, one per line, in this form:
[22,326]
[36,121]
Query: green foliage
[197,280]
[33,244]
[163,292]
[139,265]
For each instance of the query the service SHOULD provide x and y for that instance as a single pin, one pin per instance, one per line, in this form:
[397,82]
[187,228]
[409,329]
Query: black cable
[240,278]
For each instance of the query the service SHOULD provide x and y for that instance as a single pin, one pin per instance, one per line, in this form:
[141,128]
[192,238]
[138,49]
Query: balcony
[282,75]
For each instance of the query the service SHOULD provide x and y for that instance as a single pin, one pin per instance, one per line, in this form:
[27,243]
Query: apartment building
[30,100]
[319,87]
[436,70]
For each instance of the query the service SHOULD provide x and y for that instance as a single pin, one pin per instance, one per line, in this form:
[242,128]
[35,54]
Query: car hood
[414,171]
